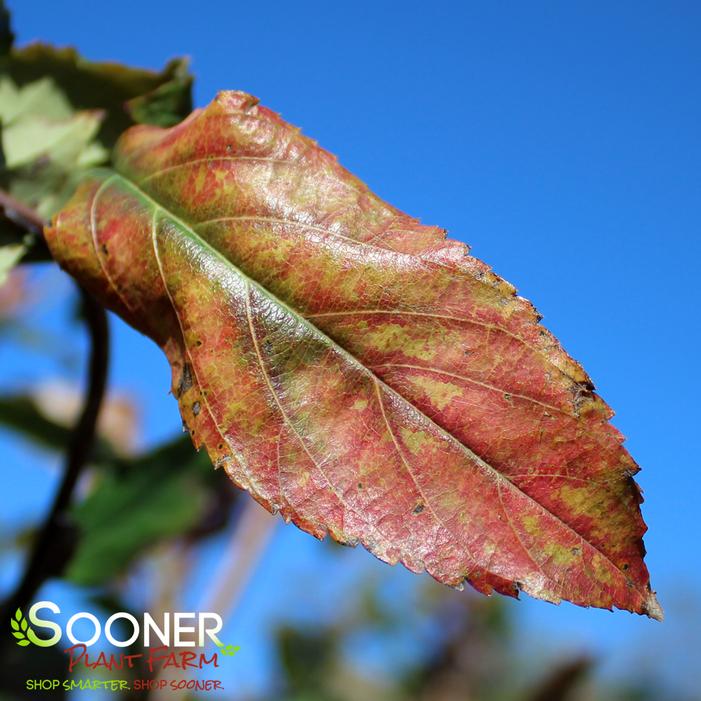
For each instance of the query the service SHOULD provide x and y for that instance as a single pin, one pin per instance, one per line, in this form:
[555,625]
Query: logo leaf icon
[19,628]
[229,650]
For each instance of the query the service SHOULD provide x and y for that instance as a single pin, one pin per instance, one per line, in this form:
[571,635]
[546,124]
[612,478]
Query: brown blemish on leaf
[185,381]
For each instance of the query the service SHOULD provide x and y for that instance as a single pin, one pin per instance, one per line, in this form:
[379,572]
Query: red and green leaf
[353,369]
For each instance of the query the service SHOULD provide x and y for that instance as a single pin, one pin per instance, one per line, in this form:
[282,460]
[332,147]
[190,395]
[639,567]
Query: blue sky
[560,140]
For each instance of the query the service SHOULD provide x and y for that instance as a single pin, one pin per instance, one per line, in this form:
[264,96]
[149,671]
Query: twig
[21,215]
[46,559]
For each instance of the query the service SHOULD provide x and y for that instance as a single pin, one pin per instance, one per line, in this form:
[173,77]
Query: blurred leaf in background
[160,496]
[60,116]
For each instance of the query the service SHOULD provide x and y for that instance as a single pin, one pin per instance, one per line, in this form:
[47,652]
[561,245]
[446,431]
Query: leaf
[10,255]
[45,145]
[42,97]
[353,369]
[61,115]
[23,643]
[20,413]
[158,496]
[14,624]
[28,139]
[125,94]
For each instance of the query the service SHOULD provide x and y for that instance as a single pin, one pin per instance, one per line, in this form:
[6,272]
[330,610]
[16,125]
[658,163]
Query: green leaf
[158,496]
[23,643]
[127,95]
[169,102]
[62,141]
[10,255]
[18,634]
[42,97]
[18,615]
[47,159]
[60,115]
[14,624]
[46,145]
[20,413]
[23,624]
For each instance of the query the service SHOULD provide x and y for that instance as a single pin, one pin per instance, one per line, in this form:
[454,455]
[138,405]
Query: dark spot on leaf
[268,346]
[185,381]
[625,566]
[576,550]
[196,408]
[360,485]
[419,508]
[103,248]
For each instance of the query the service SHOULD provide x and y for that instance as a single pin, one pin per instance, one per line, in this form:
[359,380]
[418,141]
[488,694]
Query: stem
[21,215]
[46,559]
